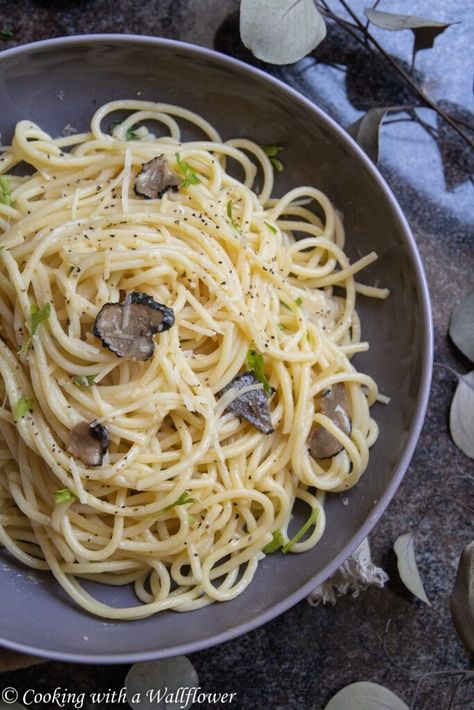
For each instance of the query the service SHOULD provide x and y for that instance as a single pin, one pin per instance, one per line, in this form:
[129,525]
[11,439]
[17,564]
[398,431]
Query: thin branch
[456,686]
[461,121]
[388,656]
[374,6]
[440,496]
[407,77]
[361,34]
[436,673]
[412,63]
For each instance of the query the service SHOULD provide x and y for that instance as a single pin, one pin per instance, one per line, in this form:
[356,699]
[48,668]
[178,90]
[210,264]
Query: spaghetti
[189,494]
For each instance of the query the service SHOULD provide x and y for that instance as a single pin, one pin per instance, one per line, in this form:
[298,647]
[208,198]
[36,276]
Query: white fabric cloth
[356,574]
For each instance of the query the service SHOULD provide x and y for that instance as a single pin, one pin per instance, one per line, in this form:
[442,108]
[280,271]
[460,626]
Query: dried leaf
[424,29]
[462,598]
[156,685]
[461,416]
[365,696]
[461,326]
[281,31]
[407,568]
[366,130]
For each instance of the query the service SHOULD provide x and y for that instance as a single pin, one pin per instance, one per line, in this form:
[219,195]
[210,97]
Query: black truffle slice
[127,329]
[89,442]
[155,178]
[253,405]
[334,404]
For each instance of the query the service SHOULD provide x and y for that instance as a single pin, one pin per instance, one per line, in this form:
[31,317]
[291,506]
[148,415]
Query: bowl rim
[426,329]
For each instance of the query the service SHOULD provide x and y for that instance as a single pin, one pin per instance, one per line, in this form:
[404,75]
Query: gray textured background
[302,658]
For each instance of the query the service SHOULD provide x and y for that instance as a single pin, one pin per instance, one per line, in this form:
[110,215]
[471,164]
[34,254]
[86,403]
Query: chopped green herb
[311,521]
[271,228]
[22,406]
[6,33]
[37,316]
[191,519]
[130,133]
[184,499]
[281,326]
[298,302]
[84,380]
[190,177]
[1,249]
[272,151]
[277,164]
[277,541]
[230,216]
[255,363]
[63,494]
[5,190]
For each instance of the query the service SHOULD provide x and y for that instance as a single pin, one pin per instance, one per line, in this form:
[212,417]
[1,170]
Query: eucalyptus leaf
[462,598]
[281,31]
[407,568]
[365,696]
[461,326]
[461,416]
[366,130]
[156,685]
[424,29]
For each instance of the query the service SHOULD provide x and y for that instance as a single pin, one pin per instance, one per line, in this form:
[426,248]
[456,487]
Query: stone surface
[302,658]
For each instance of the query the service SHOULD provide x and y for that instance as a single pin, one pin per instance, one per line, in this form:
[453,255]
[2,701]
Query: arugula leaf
[277,541]
[6,33]
[37,316]
[84,380]
[22,406]
[5,190]
[272,151]
[255,363]
[63,494]
[311,521]
[230,216]
[271,228]
[190,177]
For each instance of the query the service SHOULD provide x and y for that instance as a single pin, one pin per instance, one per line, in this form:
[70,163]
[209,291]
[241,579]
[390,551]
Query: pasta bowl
[41,82]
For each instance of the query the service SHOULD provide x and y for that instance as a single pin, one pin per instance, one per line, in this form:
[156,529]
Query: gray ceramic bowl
[61,82]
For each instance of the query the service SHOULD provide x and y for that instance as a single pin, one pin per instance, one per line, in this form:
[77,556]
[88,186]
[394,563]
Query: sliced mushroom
[89,442]
[253,405]
[128,328]
[155,178]
[334,404]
